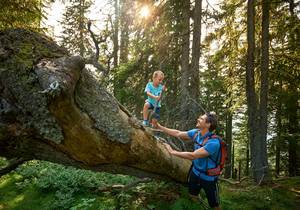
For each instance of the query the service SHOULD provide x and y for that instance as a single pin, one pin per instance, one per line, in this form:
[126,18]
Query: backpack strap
[196,134]
[197,143]
[205,140]
[214,136]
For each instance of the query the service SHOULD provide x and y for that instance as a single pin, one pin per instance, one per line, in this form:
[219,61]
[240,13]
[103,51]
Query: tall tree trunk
[116,33]
[233,174]
[247,165]
[293,130]
[279,130]
[228,139]
[196,52]
[240,170]
[257,112]
[263,106]
[250,89]
[184,83]
[81,28]
[125,23]
[292,104]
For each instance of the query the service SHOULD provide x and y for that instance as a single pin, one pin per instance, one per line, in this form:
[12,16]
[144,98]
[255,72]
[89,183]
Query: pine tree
[22,13]
[75,34]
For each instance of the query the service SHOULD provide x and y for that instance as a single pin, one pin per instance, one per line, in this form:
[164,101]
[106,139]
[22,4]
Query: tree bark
[52,108]
[257,111]
[264,89]
[185,74]
[279,130]
[190,109]
[116,34]
[81,27]
[247,159]
[196,52]
[293,131]
[228,138]
[233,174]
[258,157]
[126,7]
[250,90]
[292,105]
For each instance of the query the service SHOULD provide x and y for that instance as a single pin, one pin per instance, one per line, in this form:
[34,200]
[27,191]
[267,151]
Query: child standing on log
[154,91]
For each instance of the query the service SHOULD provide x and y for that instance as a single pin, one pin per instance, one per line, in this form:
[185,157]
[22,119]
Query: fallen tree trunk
[52,108]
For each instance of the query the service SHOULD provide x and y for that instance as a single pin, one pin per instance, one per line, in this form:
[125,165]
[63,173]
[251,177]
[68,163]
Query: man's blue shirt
[212,146]
[154,91]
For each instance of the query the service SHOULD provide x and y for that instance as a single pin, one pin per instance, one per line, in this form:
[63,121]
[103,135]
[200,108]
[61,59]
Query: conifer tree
[75,34]
[22,13]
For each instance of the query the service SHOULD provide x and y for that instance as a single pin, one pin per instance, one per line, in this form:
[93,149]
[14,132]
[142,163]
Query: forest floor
[43,185]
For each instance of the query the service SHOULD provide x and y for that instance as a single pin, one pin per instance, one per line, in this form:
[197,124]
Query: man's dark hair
[212,118]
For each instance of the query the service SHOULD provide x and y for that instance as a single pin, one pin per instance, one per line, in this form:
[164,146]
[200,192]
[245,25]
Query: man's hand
[156,124]
[168,147]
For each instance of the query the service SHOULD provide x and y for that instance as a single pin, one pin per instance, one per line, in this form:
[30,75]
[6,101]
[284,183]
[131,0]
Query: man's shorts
[210,187]
[157,111]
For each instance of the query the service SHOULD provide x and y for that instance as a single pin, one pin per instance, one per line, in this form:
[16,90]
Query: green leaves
[66,183]
[42,185]
[21,14]
[75,36]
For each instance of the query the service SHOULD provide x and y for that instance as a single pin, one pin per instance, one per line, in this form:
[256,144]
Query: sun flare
[144,12]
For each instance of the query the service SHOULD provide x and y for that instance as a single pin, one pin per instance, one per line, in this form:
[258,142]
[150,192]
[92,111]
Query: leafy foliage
[3,162]
[44,185]
[75,36]
[21,14]
[65,183]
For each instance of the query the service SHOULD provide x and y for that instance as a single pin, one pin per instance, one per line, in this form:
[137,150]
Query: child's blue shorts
[157,111]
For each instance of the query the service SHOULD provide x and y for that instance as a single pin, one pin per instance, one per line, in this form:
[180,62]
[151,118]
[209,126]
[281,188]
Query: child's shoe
[145,123]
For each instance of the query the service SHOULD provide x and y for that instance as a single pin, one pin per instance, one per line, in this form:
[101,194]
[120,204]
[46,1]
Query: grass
[14,197]
[277,195]
[43,185]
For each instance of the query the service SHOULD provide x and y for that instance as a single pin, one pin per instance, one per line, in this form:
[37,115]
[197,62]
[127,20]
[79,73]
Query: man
[203,156]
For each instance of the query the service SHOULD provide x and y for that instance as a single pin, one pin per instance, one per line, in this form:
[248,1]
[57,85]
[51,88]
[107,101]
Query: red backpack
[222,154]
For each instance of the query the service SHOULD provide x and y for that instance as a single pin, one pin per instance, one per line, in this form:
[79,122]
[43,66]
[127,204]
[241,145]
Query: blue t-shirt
[212,146]
[154,91]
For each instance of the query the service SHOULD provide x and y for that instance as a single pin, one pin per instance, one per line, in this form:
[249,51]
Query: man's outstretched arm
[173,132]
[199,153]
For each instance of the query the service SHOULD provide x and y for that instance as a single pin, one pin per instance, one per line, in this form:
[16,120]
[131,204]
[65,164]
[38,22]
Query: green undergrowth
[43,185]
[280,195]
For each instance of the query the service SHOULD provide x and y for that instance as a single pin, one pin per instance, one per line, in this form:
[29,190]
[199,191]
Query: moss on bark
[20,51]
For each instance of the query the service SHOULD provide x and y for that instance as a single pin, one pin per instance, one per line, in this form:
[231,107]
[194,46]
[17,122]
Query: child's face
[158,80]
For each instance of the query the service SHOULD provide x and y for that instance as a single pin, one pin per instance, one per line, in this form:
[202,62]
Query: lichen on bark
[102,107]
[20,51]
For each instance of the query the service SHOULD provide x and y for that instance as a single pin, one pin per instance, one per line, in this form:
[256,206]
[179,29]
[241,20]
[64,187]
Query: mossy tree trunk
[52,108]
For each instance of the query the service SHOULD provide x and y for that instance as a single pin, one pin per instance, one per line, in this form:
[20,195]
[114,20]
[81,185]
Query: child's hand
[164,88]
[154,123]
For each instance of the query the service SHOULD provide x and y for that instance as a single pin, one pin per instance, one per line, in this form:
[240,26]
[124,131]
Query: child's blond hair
[156,73]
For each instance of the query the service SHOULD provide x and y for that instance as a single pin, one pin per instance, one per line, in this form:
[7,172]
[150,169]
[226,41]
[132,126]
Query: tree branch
[94,60]
[123,188]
